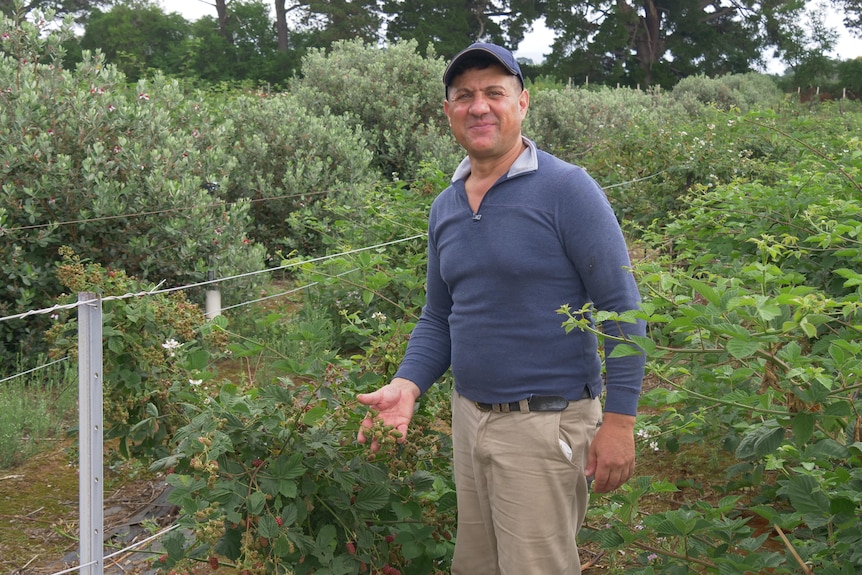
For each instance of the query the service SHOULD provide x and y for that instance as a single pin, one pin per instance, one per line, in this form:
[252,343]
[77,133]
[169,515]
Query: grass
[35,408]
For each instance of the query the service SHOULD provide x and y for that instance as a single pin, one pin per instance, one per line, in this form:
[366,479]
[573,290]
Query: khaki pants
[521,501]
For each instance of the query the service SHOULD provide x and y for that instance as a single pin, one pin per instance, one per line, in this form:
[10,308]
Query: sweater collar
[528,161]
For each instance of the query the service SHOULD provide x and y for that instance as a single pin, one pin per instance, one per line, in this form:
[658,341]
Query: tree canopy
[625,42]
[60,7]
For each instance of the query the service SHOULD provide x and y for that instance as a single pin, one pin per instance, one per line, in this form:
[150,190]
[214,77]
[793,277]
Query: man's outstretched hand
[394,404]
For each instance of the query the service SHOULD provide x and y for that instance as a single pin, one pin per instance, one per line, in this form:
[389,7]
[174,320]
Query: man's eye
[463,97]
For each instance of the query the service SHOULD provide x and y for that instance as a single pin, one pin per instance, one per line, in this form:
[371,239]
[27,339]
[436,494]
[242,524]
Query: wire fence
[157,290]
[96,564]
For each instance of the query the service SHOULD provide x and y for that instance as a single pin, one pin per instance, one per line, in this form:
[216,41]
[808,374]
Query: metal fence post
[90,434]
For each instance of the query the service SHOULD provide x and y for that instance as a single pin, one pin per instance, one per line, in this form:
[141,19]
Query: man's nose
[479,105]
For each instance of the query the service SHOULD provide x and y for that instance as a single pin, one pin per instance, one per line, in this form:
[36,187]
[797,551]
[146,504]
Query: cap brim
[448,75]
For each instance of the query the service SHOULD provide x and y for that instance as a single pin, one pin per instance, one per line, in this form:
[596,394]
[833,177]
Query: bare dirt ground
[39,516]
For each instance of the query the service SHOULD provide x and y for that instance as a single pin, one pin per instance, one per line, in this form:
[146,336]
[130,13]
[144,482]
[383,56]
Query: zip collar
[528,161]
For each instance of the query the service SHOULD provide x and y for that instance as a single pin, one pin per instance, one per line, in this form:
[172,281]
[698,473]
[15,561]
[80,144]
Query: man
[516,235]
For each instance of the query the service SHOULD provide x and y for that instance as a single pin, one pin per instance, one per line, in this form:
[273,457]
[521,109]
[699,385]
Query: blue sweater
[544,236]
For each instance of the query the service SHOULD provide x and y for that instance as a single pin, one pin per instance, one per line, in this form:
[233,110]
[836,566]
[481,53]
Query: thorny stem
[660,551]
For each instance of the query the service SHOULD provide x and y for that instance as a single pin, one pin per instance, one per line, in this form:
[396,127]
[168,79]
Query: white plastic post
[90,434]
[213,305]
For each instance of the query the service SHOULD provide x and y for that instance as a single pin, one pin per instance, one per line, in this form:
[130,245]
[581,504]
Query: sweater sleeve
[428,353]
[598,249]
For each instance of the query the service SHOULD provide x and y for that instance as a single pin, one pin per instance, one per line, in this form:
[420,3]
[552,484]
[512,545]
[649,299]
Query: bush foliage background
[743,211]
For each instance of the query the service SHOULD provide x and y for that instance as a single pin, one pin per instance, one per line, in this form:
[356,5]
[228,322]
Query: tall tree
[284,8]
[326,21]
[805,48]
[78,8]
[852,15]
[449,25]
[659,41]
[138,37]
[242,46]
[332,20]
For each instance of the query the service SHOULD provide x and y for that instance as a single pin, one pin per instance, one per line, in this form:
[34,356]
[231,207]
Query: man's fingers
[609,477]
[366,424]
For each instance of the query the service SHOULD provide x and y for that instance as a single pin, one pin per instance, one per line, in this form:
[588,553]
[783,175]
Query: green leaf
[230,544]
[197,359]
[422,481]
[315,414]
[708,292]
[606,538]
[288,515]
[740,349]
[827,449]
[411,550]
[275,485]
[768,311]
[288,466]
[268,527]
[806,496]
[326,538]
[372,498]
[678,523]
[256,502]
[625,350]
[761,441]
[807,328]
[174,543]
[803,427]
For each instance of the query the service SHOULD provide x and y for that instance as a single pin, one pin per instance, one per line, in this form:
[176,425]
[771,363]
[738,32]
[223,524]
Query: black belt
[533,403]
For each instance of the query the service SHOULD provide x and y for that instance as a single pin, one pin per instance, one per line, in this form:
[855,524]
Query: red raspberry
[213,562]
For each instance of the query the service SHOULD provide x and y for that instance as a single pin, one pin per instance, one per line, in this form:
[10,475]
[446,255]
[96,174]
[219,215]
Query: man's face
[485,109]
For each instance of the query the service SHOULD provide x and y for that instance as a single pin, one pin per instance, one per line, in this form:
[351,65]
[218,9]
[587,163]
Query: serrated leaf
[625,350]
[805,495]
[411,550]
[288,466]
[422,481]
[230,544]
[288,515]
[768,311]
[803,427]
[256,502]
[372,498]
[268,527]
[315,414]
[607,538]
[326,537]
[197,359]
[708,292]
[740,349]
[760,441]
[828,449]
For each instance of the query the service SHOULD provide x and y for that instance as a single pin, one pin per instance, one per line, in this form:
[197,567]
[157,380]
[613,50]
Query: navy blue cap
[497,53]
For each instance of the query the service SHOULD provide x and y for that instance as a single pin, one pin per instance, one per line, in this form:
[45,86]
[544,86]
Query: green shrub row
[754,299]
[172,184]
